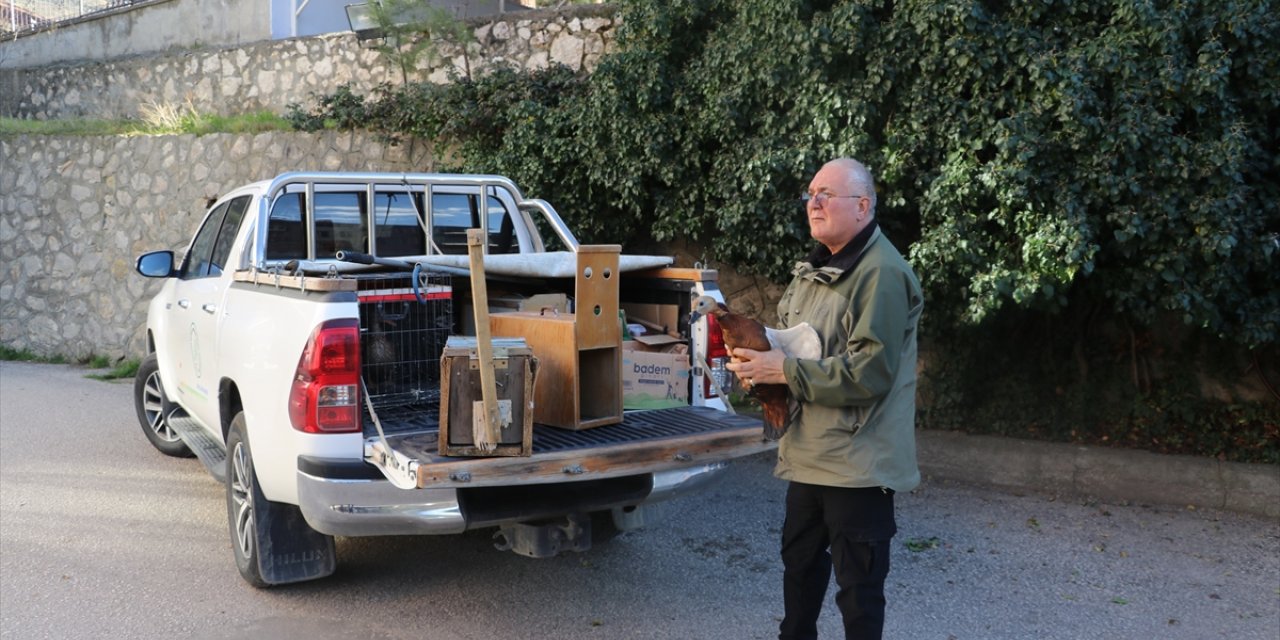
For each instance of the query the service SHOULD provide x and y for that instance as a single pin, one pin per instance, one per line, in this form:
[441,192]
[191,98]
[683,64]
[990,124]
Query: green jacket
[856,425]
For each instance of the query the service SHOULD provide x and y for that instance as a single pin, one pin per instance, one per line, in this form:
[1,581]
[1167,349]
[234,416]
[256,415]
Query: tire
[254,521]
[154,410]
[243,499]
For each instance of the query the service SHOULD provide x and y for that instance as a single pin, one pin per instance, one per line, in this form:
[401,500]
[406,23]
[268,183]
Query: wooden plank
[487,427]
[299,283]
[551,337]
[676,273]
[594,463]
[599,387]
[596,297]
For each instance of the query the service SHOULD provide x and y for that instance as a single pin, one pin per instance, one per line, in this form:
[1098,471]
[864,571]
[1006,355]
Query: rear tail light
[325,395]
[717,357]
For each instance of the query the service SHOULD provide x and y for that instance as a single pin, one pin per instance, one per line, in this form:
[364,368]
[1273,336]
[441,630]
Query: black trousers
[841,528]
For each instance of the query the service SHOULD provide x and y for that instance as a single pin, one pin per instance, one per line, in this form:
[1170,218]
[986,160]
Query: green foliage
[341,110]
[183,122]
[124,370]
[1064,164]
[76,127]
[1024,375]
[415,29]
[916,545]
[1034,155]
[23,355]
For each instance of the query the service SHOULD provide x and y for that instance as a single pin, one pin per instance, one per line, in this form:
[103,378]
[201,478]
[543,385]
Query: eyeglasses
[820,199]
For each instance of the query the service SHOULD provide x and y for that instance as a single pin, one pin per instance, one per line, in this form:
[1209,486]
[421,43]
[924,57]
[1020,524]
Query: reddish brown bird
[741,331]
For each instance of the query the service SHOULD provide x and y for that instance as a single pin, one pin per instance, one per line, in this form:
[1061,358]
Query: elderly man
[852,445]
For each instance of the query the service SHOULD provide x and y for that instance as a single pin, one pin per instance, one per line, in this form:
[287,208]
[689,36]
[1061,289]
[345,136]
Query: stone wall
[75,212]
[272,74]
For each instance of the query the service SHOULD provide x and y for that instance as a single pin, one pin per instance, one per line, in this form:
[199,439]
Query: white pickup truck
[296,350]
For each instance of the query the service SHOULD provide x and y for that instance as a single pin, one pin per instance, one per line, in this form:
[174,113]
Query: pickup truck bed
[646,441]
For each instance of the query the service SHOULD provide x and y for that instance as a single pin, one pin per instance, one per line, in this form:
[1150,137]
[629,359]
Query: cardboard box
[655,377]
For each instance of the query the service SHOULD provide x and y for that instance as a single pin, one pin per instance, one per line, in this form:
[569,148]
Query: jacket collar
[821,265]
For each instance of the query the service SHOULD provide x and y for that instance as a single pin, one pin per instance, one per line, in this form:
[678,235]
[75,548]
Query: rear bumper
[336,501]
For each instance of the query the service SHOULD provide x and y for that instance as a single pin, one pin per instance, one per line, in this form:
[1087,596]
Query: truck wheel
[154,409]
[243,496]
[296,552]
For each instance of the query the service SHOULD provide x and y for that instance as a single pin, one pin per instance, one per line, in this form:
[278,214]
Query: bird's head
[705,306]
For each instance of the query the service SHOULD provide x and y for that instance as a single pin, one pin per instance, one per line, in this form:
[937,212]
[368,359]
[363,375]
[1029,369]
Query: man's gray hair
[859,179]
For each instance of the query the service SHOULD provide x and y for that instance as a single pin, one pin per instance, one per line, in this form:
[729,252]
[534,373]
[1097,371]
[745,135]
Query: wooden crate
[579,383]
[460,396]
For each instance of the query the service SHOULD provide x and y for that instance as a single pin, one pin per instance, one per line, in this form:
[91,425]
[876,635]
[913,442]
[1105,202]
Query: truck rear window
[286,235]
[342,224]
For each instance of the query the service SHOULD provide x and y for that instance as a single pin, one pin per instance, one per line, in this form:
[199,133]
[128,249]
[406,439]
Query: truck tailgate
[645,441]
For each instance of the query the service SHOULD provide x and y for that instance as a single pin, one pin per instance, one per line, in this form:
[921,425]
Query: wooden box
[460,397]
[579,382]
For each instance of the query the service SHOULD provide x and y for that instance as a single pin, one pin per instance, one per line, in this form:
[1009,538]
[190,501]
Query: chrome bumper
[345,507]
[376,508]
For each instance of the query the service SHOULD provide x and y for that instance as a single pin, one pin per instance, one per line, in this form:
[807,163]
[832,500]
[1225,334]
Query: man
[853,444]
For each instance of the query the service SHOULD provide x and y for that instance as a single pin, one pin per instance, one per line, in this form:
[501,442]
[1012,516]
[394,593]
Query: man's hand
[757,367]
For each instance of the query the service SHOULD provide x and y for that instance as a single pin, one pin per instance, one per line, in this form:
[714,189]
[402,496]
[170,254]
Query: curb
[1104,473]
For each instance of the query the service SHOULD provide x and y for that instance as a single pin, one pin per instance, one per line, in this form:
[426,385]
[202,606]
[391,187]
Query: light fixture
[360,17]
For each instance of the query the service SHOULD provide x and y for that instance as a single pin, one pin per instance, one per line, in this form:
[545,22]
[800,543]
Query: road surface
[103,537]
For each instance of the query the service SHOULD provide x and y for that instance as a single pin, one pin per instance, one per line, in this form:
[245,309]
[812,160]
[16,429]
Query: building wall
[318,17]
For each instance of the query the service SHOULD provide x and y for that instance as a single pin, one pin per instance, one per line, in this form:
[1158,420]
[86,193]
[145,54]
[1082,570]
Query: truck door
[198,295]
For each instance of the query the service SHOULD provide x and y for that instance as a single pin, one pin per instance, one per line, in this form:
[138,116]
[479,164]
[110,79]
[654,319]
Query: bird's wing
[800,341]
[741,331]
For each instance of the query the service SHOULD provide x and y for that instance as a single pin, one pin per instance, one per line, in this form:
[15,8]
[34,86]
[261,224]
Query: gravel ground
[102,537]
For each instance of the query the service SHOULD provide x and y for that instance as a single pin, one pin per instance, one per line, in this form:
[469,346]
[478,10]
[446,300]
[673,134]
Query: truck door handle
[184,303]
[209,307]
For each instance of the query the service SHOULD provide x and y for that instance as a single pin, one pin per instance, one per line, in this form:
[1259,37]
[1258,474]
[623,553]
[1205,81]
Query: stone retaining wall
[75,212]
[270,75]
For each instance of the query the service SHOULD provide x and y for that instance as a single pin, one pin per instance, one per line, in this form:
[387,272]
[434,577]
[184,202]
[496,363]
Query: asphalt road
[102,537]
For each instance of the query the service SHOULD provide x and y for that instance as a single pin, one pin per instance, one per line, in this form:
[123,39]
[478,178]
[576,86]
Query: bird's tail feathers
[776,419]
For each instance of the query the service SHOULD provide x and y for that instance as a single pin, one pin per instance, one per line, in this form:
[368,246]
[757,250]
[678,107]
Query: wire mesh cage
[404,325]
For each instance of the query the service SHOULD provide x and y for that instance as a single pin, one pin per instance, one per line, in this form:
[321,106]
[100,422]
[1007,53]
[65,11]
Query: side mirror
[157,264]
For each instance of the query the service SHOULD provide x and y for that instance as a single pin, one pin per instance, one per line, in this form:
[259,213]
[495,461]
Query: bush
[1098,160]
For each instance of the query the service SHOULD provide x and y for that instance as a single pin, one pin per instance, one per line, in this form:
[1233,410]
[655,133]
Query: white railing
[19,17]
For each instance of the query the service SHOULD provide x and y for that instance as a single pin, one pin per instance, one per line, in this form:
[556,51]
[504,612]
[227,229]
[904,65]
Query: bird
[738,330]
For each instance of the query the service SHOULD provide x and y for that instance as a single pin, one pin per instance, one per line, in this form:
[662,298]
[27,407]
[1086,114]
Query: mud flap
[289,550]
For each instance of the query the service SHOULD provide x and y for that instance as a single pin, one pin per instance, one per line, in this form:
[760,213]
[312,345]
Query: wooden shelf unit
[579,381]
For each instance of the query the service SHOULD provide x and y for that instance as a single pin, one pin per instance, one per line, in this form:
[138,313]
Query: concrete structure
[146,27]
[1109,474]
